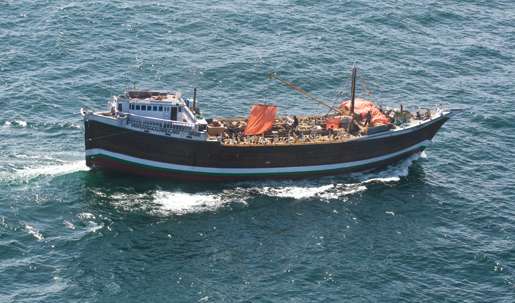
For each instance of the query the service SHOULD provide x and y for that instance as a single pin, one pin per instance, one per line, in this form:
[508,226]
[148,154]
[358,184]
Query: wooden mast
[353,90]
[352,99]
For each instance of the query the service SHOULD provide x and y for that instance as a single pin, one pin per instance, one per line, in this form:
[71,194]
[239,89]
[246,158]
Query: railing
[163,126]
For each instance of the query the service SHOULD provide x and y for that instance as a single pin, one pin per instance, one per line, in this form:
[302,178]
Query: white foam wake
[163,202]
[180,203]
[34,232]
[44,170]
[392,173]
[326,192]
[15,123]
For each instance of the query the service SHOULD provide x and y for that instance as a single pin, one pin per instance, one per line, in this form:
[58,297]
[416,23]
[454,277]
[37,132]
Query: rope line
[107,136]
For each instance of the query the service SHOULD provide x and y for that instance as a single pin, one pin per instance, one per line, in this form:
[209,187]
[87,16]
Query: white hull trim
[253,171]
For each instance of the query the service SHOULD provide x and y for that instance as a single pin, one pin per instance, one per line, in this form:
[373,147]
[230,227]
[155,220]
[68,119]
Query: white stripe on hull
[253,171]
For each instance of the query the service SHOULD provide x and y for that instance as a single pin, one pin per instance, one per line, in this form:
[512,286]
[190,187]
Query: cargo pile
[310,129]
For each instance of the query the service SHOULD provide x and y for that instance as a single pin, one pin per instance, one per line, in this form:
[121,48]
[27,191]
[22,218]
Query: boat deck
[229,131]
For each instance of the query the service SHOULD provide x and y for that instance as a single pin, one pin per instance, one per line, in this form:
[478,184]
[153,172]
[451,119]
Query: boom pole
[301,91]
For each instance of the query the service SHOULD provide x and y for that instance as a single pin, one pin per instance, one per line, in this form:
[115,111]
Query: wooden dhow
[162,134]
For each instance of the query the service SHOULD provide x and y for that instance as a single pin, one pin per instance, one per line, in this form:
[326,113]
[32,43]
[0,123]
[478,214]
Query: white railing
[163,126]
[186,110]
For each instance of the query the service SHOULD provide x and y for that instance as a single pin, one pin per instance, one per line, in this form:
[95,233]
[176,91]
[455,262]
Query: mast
[195,100]
[353,90]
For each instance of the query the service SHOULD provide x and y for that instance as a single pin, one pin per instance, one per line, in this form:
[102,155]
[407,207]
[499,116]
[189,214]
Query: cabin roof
[152,96]
[143,94]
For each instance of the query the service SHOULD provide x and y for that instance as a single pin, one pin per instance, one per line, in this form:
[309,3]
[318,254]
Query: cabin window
[137,107]
[160,108]
[143,107]
[180,109]
[120,108]
[131,106]
[154,108]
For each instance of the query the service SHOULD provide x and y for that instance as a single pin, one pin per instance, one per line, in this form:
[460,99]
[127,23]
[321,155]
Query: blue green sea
[438,227]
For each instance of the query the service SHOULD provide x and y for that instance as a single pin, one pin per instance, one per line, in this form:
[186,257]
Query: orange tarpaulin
[333,123]
[261,119]
[362,107]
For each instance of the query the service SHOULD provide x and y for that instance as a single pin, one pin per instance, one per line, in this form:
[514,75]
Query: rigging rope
[107,136]
[301,91]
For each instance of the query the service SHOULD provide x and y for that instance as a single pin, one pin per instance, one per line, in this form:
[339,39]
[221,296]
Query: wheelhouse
[155,104]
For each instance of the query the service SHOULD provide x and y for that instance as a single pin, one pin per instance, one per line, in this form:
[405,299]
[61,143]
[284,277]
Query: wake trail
[53,170]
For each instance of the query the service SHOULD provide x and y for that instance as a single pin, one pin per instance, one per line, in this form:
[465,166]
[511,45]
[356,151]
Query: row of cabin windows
[150,107]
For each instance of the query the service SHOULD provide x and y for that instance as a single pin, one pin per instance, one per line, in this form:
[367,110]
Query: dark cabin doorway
[173,113]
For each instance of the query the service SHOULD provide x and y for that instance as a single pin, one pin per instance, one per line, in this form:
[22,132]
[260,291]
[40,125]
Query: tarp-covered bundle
[261,119]
[333,123]
[362,107]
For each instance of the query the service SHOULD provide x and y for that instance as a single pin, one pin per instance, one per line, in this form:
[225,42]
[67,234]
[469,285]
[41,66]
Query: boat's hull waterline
[112,147]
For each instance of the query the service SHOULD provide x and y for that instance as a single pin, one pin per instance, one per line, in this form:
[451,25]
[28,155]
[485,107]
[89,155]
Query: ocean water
[438,227]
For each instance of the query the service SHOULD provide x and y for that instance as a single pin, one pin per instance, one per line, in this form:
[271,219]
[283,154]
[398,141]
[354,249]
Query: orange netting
[261,119]
[362,107]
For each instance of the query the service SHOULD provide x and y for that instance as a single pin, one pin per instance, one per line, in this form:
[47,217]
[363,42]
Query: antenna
[195,99]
